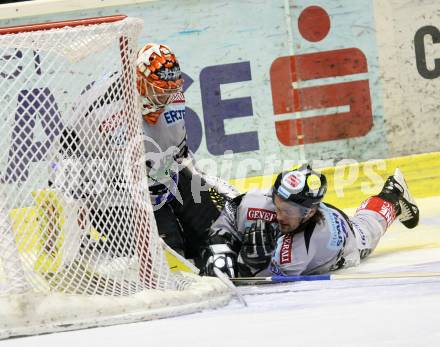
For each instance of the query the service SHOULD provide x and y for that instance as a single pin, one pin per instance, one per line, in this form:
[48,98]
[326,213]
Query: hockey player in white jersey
[289,231]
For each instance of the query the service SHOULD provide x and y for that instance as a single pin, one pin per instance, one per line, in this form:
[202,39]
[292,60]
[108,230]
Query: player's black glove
[222,257]
[258,244]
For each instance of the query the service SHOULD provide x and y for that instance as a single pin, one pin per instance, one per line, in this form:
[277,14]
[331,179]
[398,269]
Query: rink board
[349,185]
[232,65]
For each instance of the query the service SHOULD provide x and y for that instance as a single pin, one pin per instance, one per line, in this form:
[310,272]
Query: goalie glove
[258,244]
[220,256]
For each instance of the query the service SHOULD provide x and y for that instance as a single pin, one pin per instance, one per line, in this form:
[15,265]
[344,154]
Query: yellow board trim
[349,185]
[176,262]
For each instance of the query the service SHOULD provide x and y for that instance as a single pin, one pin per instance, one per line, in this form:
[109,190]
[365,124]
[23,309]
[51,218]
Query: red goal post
[79,246]
[61,24]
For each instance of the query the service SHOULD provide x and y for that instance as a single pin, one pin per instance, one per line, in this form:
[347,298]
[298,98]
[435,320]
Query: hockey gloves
[258,244]
[220,256]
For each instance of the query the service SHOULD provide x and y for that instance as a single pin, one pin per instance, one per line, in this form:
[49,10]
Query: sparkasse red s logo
[293,181]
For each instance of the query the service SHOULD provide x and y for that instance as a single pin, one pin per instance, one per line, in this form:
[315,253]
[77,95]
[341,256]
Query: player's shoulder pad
[237,200]
[231,206]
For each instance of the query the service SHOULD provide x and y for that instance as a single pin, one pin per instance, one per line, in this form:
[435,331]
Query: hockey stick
[328,277]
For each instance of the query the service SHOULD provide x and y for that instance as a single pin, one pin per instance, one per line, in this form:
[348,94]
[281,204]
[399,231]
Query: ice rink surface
[374,312]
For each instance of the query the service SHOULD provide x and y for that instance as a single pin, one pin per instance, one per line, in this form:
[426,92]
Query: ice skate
[396,191]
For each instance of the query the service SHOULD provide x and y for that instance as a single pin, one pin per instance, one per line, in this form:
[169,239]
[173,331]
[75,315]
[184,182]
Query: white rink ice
[375,312]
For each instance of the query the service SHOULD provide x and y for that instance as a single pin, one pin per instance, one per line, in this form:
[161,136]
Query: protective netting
[75,214]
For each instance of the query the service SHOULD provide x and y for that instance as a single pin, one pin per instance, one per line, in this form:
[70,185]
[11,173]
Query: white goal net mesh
[77,231]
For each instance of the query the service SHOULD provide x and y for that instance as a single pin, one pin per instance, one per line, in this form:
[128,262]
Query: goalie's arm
[113,93]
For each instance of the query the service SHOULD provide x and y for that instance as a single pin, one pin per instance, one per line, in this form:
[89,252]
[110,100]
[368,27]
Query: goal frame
[56,311]
[60,24]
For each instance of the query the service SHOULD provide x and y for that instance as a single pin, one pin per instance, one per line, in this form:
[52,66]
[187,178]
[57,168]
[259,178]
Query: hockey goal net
[78,242]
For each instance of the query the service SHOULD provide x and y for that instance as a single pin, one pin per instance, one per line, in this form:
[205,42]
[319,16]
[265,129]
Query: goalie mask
[158,77]
[302,187]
